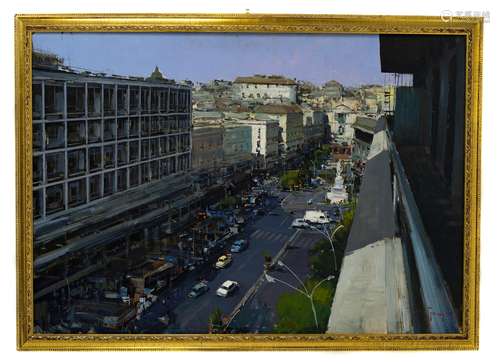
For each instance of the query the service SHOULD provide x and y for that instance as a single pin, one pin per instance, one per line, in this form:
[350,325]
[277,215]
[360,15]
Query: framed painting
[247,182]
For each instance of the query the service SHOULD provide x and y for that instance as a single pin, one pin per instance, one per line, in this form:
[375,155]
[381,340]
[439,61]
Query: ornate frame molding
[26,25]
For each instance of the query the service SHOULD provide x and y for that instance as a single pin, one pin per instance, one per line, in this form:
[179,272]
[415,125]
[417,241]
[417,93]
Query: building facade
[428,127]
[265,141]
[208,151]
[237,144]
[341,119]
[364,129]
[314,124]
[266,89]
[290,118]
[111,157]
[332,90]
[95,136]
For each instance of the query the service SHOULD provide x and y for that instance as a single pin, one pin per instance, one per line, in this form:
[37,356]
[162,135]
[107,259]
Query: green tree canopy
[295,313]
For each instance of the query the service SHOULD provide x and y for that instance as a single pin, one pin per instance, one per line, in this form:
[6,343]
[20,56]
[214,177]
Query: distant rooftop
[365,124]
[200,115]
[277,109]
[332,83]
[266,80]
[156,75]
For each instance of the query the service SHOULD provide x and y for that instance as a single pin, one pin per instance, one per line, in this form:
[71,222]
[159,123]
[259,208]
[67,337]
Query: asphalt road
[266,235]
[259,314]
[297,202]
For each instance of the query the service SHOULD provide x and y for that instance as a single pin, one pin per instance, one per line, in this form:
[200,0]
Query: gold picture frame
[26,25]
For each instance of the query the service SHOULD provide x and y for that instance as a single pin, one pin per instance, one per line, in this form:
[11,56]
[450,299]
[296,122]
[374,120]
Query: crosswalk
[306,238]
[268,235]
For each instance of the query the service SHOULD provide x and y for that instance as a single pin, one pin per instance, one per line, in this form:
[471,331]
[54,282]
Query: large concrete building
[266,89]
[95,136]
[428,127]
[404,264]
[111,157]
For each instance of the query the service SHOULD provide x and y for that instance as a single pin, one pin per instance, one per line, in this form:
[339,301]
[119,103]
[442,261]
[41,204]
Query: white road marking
[284,220]
[273,236]
[257,234]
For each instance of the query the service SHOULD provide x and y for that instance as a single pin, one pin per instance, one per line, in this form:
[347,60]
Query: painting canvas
[248,183]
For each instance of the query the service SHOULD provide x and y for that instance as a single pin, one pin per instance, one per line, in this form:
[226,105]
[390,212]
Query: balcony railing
[440,314]
[390,280]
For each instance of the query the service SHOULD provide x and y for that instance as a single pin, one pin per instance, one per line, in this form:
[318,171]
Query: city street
[259,314]
[266,235]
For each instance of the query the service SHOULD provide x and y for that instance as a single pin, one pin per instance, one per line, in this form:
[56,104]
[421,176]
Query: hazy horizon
[352,60]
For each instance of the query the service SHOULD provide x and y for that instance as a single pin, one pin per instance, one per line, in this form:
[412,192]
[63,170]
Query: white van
[316,217]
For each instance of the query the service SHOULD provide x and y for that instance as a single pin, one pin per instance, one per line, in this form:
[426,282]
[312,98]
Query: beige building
[290,118]
[340,120]
[208,152]
[266,89]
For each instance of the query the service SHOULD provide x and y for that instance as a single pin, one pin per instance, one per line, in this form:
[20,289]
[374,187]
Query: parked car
[239,245]
[310,201]
[227,288]
[223,261]
[300,224]
[198,290]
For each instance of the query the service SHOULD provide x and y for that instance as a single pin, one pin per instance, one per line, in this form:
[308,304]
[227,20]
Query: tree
[267,259]
[321,258]
[228,202]
[295,314]
[290,179]
[215,320]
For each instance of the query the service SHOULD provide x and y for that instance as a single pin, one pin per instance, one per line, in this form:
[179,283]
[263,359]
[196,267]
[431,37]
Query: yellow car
[223,261]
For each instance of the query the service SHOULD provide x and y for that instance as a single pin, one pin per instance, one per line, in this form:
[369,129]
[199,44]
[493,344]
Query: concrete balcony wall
[372,294]
[390,281]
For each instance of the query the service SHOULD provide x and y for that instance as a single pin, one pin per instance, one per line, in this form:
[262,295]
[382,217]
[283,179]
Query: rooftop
[332,83]
[278,109]
[266,80]
[366,124]
[64,73]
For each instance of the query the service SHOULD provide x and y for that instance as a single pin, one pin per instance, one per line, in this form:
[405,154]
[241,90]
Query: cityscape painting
[248,183]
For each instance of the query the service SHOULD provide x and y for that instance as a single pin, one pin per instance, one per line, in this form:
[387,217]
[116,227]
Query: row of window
[89,160]
[94,187]
[104,100]
[267,85]
[80,132]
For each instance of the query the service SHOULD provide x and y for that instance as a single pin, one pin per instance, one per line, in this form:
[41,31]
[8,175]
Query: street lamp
[305,291]
[330,239]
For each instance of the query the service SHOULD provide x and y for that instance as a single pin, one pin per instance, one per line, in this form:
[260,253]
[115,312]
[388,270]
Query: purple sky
[350,59]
